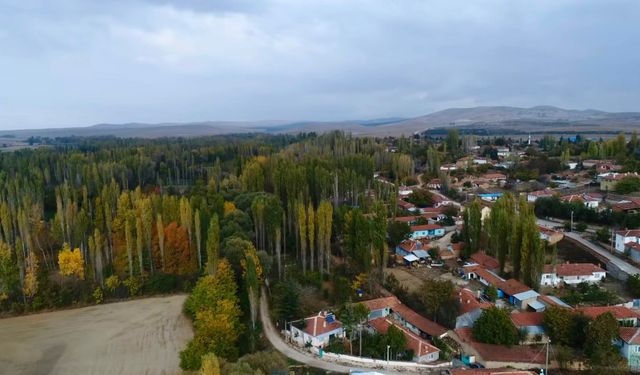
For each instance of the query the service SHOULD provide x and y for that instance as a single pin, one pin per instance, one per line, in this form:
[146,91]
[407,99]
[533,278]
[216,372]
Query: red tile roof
[410,245]
[501,353]
[632,245]
[425,325]
[469,301]
[405,204]
[415,228]
[485,260]
[527,319]
[630,335]
[619,312]
[513,287]
[419,346]
[318,324]
[490,277]
[573,269]
[381,303]
[629,232]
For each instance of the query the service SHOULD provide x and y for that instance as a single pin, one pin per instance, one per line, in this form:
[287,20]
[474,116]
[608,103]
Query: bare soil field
[134,337]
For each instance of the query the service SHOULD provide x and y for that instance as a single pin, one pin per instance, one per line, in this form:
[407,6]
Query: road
[620,263]
[136,337]
[327,364]
[280,345]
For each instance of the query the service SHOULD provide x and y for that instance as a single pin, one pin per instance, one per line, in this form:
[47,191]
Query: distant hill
[500,119]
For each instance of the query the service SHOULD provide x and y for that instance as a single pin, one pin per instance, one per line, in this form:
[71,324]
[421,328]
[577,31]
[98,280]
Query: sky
[80,62]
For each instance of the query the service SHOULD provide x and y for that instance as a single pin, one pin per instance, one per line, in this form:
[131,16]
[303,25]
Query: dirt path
[134,337]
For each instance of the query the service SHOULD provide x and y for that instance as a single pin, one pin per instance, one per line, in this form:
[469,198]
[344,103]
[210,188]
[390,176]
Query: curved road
[312,360]
[280,345]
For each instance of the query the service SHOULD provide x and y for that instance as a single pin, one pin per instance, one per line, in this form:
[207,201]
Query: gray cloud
[73,62]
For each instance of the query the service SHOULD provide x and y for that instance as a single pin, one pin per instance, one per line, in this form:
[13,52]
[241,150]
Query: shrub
[133,286]
[98,295]
[112,283]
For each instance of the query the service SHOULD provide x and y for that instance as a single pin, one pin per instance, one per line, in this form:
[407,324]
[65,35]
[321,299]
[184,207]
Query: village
[447,230]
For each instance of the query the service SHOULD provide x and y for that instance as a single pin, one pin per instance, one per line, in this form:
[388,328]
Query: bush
[98,296]
[495,327]
[161,283]
[133,286]
[581,227]
[112,283]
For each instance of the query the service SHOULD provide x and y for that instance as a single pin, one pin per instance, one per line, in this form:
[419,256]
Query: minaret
[529,140]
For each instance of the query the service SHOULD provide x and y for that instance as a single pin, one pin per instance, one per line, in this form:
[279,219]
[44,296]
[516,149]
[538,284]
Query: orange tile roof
[485,260]
[630,335]
[513,287]
[629,232]
[490,277]
[415,228]
[381,303]
[419,346]
[424,324]
[619,312]
[501,353]
[572,269]
[469,301]
[317,325]
[526,319]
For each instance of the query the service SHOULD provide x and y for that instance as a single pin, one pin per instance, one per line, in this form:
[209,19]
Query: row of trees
[510,233]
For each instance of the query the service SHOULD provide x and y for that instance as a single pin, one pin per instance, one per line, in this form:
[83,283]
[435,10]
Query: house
[426,231]
[584,199]
[550,235]
[487,262]
[534,195]
[571,274]
[529,322]
[409,247]
[609,180]
[480,161]
[503,152]
[627,206]
[495,178]
[318,330]
[549,301]
[624,315]
[448,167]
[470,308]
[381,307]
[633,249]
[440,200]
[407,206]
[623,237]
[396,311]
[629,344]
[423,352]
[499,356]
[525,299]
[404,191]
[490,197]
[434,184]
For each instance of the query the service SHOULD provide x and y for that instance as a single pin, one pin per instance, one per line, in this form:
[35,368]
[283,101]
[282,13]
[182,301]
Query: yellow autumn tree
[30,286]
[210,365]
[71,262]
[229,207]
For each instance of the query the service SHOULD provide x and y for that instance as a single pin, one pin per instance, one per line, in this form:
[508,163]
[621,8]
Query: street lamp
[388,347]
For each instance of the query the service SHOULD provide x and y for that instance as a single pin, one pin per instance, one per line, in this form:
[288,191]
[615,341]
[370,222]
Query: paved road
[622,264]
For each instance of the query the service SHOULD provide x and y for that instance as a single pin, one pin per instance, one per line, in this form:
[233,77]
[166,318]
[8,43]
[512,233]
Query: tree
[286,301]
[494,326]
[352,316]
[491,293]
[421,198]
[499,228]
[210,365]
[398,231]
[559,324]
[599,346]
[9,276]
[472,229]
[628,184]
[633,285]
[71,262]
[396,339]
[213,245]
[434,295]
[252,273]
[160,231]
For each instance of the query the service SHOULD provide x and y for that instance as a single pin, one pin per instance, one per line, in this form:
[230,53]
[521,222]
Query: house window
[637,348]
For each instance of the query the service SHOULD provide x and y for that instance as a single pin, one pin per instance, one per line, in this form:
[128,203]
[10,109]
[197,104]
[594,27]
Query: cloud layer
[74,62]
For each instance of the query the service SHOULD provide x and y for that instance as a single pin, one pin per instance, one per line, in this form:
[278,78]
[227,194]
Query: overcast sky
[82,62]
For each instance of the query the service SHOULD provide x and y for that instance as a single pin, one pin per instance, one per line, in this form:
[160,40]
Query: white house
[625,236]
[318,330]
[448,167]
[423,352]
[480,160]
[571,274]
[503,152]
[629,344]
[534,195]
[585,199]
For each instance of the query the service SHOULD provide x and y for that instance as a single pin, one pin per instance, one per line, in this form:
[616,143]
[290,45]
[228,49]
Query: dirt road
[135,337]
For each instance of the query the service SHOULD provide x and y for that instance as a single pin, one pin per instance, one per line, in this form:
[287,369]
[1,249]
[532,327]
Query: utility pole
[360,329]
[546,368]
[388,347]
[571,227]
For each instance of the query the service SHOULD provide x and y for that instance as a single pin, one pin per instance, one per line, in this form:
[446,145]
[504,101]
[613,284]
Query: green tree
[599,346]
[472,230]
[559,324]
[494,326]
[213,245]
[398,232]
[435,293]
[9,276]
[628,185]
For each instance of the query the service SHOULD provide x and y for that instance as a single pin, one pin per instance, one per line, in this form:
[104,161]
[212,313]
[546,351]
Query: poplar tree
[213,245]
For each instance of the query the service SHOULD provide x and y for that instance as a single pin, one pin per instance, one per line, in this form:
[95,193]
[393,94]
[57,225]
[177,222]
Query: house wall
[622,240]
[632,354]
[431,357]
[301,338]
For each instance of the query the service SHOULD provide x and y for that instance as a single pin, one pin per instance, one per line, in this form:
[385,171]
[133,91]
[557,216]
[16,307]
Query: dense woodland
[90,220]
